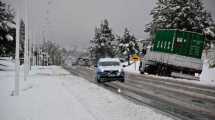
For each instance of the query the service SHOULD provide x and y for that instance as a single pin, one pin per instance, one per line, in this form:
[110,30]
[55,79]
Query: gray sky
[72,22]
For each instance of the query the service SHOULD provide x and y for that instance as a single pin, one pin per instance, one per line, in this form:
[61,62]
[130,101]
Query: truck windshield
[109,63]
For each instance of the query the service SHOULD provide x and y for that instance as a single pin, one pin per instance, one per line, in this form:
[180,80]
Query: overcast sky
[72,22]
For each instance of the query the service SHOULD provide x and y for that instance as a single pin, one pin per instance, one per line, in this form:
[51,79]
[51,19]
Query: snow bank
[44,99]
[133,68]
[208,75]
[54,94]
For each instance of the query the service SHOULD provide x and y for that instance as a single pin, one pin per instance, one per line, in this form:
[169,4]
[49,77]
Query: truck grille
[111,72]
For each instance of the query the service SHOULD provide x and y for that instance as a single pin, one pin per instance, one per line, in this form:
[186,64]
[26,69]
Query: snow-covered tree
[52,49]
[127,44]
[22,39]
[188,15]
[103,43]
[7,30]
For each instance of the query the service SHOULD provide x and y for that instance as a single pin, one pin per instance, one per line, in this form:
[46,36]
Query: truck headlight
[101,70]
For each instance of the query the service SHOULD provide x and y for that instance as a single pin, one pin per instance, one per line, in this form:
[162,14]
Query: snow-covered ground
[208,74]
[206,78]
[133,68]
[51,93]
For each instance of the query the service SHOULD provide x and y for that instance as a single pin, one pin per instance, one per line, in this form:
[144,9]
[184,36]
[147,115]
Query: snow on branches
[7,30]
[103,43]
[188,15]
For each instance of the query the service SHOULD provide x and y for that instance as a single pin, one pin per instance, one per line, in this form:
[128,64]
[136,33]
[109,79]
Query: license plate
[111,75]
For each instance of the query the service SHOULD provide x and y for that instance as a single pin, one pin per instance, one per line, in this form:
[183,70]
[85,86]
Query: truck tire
[98,80]
[141,72]
[122,80]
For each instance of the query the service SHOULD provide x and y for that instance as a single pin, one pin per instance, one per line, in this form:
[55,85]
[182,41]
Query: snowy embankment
[132,68]
[208,74]
[51,93]
[206,78]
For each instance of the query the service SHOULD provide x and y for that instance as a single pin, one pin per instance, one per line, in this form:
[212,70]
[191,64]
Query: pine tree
[7,31]
[103,43]
[22,38]
[94,44]
[127,44]
[188,15]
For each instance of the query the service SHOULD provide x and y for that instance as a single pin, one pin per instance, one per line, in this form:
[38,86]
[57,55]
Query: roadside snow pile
[54,94]
[6,64]
[208,75]
[133,68]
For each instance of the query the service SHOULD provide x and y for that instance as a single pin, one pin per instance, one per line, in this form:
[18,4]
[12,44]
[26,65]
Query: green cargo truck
[174,52]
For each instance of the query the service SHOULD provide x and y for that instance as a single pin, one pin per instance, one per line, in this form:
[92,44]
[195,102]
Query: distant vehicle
[83,61]
[174,53]
[109,69]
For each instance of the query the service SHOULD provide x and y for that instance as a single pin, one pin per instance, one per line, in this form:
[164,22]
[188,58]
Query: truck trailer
[174,53]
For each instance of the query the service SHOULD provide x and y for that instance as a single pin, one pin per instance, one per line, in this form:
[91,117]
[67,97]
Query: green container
[179,42]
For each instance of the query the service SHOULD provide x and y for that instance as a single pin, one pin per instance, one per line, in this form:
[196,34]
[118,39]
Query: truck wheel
[122,80]
[98,80]
[141,72]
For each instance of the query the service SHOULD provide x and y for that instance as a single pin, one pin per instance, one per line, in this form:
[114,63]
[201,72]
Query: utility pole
[17,68]
[30,37]
[26,42]
[30,50]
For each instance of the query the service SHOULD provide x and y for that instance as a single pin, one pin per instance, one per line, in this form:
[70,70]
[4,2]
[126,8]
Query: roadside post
[17,68]
[26,51]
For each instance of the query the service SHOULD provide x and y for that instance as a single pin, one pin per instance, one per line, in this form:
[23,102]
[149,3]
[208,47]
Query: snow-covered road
[51,93]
